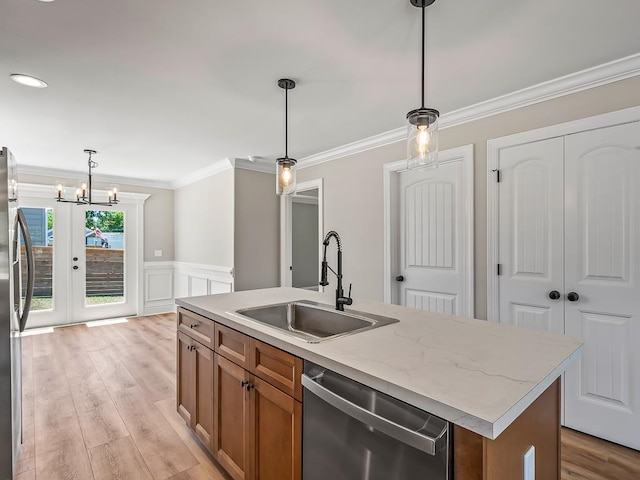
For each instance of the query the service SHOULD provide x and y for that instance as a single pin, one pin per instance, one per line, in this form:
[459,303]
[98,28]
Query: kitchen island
[498,386]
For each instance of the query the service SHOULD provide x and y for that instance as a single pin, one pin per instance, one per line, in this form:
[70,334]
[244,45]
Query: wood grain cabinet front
[258,428]
[242,398]
[232,345]
[195,387]
[199,328]
[231,417]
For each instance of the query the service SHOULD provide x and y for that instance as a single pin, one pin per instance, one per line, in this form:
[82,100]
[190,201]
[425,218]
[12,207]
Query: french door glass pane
[40,223]
[104,247]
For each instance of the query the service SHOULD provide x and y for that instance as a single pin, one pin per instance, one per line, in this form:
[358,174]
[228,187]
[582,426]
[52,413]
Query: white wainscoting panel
[193,279]
[166,281]
[158,288]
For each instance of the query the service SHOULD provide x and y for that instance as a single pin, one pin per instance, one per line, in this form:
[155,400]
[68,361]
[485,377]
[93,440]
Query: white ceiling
[165,87]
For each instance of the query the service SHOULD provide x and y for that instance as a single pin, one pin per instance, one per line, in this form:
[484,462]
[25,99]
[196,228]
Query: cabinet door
[185,382]
[276,430]
[202,416]
[231,417]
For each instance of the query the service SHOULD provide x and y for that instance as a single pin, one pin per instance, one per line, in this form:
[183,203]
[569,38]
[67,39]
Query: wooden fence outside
[104,271]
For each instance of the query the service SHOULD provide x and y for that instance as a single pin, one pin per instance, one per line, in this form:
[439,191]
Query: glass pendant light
[422,123]
[285,166]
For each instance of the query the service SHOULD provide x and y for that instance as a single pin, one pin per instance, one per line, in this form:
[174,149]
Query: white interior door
[531,240]
[435,223]
[602,252]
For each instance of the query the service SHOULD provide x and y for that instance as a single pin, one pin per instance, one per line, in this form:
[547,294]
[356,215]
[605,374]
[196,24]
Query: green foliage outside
[49,218]
[105,220]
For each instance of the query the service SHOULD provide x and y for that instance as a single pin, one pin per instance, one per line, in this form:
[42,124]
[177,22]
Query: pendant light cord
[286,123]
[423,50]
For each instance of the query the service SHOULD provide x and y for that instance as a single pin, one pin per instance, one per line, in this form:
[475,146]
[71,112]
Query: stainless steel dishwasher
[353,432]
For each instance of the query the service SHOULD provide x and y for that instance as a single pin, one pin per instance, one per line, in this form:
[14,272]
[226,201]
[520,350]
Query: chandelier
[84,194]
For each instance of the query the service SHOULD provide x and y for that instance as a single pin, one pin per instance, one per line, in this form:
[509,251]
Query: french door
[569,251]
[85,260]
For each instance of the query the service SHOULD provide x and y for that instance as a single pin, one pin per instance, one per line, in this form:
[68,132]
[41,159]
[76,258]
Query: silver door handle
[22,222]
[401,433]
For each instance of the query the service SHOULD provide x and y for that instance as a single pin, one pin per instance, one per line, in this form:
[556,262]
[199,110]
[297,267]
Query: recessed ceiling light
[46,1]
[28,80]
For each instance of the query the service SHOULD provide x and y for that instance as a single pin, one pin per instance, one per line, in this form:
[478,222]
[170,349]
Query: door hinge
[497,172]
[499,269]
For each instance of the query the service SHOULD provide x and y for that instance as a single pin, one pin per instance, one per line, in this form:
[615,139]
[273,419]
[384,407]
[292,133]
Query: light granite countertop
[476,374]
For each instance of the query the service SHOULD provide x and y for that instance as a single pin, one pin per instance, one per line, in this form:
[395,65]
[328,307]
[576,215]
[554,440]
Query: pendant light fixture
[422,131]
[84,194]
[285,166]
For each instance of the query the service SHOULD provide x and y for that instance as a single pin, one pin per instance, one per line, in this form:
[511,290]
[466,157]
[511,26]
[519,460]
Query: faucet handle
[349,295]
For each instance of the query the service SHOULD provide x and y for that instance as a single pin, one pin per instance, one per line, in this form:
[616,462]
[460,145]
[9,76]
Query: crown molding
[75,174]
[575,82]
[213,169]
[262,165]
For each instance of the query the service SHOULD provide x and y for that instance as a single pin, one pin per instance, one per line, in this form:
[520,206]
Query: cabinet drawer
[196,326]
[232,345]
[280,369]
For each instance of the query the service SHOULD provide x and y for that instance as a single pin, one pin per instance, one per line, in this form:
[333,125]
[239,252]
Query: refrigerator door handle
[21,221]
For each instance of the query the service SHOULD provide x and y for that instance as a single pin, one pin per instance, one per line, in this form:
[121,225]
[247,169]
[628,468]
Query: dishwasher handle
[398,432]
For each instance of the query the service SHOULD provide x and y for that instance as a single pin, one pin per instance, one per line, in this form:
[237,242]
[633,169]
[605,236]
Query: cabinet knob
[75,267]
[250,386]
[400,278]
[194,325]
[573,296]
[554,294]
[244,383]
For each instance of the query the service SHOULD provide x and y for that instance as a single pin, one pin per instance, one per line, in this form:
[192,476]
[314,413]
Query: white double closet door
[569,222]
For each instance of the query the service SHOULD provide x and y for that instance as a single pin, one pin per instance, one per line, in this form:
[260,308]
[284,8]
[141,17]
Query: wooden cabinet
[242,398]
[231,418]
[194,387]
[276,433]
[185,395]
[196,326]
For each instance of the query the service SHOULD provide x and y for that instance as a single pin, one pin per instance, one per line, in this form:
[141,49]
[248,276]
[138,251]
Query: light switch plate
[530,464]
[158,253]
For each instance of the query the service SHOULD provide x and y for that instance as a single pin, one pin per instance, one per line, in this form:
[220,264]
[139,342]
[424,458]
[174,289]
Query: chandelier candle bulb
[59,191]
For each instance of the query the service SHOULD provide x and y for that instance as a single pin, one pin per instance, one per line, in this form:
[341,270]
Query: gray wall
[257,231]
[158,212]
[305,245]
[203,221]
[357,213]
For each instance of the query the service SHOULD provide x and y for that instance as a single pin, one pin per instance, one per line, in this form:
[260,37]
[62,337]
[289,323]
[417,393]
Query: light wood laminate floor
[99,404]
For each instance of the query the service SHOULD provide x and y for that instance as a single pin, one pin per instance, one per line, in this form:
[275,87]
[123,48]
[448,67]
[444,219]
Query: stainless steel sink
[313,322]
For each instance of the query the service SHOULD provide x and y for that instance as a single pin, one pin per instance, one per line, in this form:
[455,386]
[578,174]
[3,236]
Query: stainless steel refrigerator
[14,310]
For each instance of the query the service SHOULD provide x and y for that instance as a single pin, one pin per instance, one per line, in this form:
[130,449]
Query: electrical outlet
[158,253]
[530,464]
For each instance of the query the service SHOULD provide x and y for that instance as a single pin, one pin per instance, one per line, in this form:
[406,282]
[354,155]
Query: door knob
[554,294]
[400,278]
[75,267]
[573,296]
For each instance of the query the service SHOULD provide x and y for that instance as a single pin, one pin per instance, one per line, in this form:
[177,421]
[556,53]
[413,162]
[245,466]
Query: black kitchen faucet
[341,300]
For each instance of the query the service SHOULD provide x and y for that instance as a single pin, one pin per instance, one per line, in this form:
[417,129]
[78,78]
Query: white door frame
[494,147]
[390,170]
[26,190]
[286,230]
